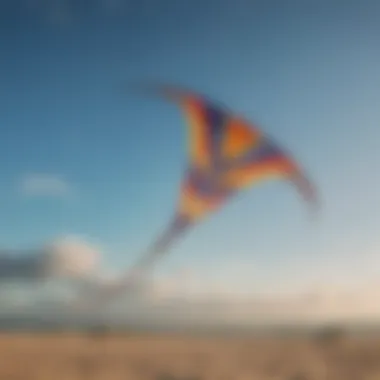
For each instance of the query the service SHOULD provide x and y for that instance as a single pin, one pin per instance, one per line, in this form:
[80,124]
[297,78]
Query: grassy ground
[63,357]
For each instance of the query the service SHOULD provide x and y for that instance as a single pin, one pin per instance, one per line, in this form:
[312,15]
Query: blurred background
[90,174]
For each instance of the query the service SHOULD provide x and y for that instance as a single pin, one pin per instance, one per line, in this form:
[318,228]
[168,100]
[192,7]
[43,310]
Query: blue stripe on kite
[265,150]
[216,120]
[207,184]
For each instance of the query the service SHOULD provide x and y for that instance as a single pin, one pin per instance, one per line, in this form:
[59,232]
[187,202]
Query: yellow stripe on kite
[197,132]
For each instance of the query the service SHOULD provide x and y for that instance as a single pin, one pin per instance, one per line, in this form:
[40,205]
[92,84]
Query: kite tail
[160,247]
[163,243]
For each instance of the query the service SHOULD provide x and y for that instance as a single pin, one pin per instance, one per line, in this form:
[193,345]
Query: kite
[226,154]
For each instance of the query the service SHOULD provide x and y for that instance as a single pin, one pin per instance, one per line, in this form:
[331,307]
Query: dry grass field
[74,357]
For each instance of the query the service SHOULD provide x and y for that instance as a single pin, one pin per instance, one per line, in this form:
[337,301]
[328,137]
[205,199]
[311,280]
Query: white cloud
[72,257]
[44,185]
[69,257]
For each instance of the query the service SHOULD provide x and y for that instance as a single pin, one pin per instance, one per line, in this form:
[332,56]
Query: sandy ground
[63,357]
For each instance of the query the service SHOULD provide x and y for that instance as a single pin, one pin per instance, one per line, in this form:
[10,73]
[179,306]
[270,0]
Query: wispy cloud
[44,185]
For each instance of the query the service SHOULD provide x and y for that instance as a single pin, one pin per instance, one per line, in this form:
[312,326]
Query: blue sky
[306,71]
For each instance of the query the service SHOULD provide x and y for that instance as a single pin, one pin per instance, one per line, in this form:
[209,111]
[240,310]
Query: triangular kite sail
[226,154]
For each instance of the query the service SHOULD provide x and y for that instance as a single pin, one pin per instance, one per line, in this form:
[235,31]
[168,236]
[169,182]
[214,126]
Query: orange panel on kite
[238,138]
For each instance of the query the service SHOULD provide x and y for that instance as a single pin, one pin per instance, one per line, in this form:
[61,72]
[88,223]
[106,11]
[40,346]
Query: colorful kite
[226,154]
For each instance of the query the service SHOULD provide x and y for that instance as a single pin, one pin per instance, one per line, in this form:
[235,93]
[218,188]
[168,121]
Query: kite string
[156,251]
